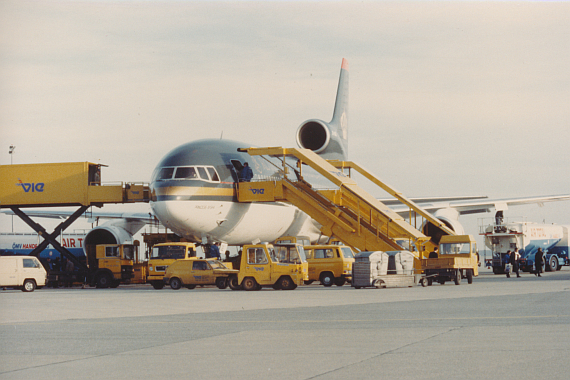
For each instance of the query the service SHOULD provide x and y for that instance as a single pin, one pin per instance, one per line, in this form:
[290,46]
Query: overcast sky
[446,98]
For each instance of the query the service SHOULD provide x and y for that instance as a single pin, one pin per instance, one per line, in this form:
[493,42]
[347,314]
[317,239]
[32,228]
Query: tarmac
[517,328]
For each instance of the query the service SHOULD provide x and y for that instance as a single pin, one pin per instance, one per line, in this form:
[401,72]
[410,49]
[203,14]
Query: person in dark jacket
[515,256]
[507,260]
[538,261]
[246,174]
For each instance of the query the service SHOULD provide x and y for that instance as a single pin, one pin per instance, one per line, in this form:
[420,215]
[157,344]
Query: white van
[25,272]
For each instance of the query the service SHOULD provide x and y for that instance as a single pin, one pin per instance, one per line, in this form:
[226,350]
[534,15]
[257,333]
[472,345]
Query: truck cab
[456,258]
[112,264]
[281,266]
[329,264]
[162,256]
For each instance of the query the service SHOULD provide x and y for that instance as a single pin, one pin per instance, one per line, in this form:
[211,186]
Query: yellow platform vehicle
[111,265]
[191,272]
[457,258]
[162,256]
[281,266]
[329,264]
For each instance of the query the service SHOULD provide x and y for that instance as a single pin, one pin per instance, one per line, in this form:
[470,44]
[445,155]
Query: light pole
[12,148]
[11,151]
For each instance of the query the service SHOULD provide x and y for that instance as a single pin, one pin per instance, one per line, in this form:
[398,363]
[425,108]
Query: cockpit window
[186,173]
[205,173]
[165,173]
[213,175]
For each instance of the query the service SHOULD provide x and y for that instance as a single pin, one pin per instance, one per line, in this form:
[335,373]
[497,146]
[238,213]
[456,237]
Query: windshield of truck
[347,253]
[291,254]
[129,252]
[256,256]
[217,264]
[174,252]
[454,248]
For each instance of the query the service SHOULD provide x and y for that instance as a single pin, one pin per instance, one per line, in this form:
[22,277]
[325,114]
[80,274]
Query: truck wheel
[29,286]
[157,284]
[553,264]
[469,276]
[457,278]
[340,281]
[430,281]
[233,283]
[175,283]
[115,283]
[249,284]
[103,280]
[286,283]
[222,282]
[308,282]
[327,279]
[424,282]
[193,286]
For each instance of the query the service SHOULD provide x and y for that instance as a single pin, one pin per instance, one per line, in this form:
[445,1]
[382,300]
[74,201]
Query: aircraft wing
[478,204]
[63,214]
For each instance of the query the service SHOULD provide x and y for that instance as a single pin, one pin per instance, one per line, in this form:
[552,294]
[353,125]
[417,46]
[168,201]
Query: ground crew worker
[515,256]
[538,262]
[246,174]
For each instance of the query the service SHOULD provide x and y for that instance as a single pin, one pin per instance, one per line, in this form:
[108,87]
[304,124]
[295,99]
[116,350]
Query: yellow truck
[329,264]
[163,255]
[457,258]
[194,271]
[281,265]
[111,265]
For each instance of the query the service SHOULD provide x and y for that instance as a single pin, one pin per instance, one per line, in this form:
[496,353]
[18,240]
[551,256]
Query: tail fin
[329,140]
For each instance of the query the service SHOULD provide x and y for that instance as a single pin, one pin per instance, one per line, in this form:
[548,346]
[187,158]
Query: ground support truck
[457,258]
[527,237]
[281,266]
[329,264]
[163,255]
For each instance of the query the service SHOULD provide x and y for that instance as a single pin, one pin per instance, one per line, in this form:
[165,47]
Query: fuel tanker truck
[528,238]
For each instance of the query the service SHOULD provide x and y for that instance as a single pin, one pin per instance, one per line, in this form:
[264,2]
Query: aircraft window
[203,173]
[165,173]
[213,174]
[186,173]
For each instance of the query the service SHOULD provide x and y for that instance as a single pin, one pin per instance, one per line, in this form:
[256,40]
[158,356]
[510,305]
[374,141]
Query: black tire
[29,286]
[457,277]
[249,284]
[233,282]
[193,286]
[339,281]
[115,283]
[469,276]
[424,282]
[430,281]
[552,264]
[286,283]
[327,279]
[103,280]
[308,282]
[157,284]
[175,283]
[222,282]
[276,286]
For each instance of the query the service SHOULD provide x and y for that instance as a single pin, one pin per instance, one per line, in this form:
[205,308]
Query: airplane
[193,191]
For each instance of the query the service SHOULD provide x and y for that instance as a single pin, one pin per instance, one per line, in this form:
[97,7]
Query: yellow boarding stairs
[348,213]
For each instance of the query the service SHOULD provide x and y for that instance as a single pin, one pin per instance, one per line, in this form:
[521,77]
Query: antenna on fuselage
[222,135]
